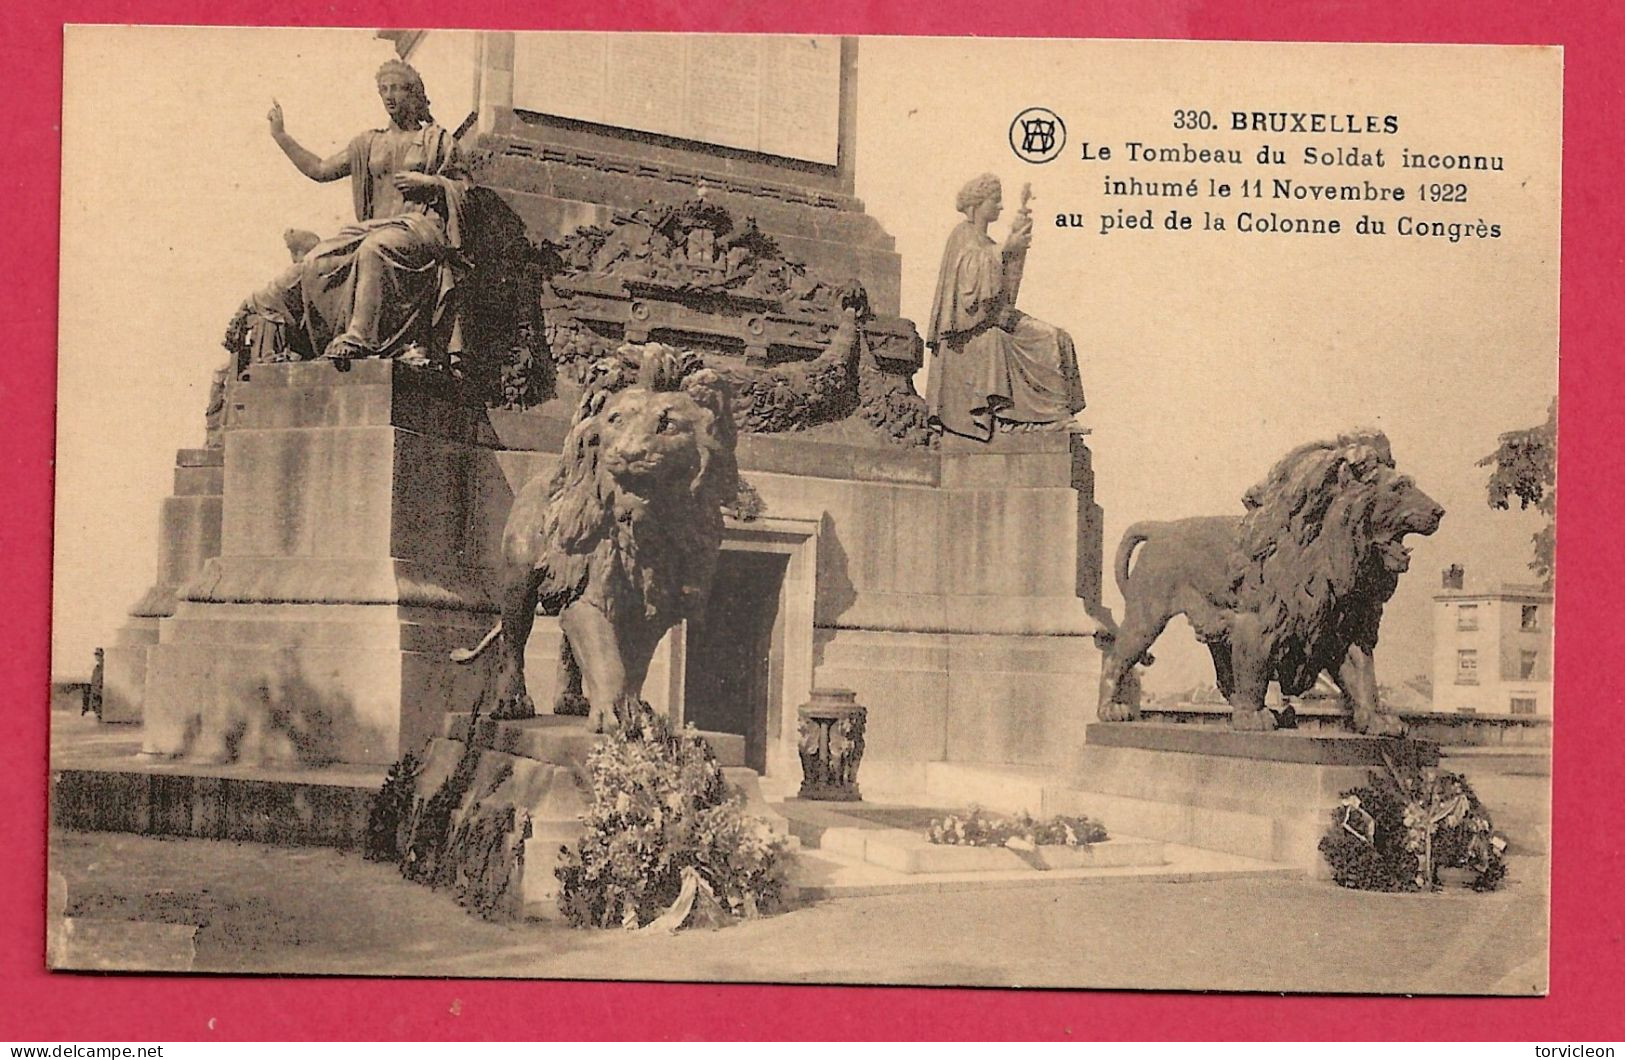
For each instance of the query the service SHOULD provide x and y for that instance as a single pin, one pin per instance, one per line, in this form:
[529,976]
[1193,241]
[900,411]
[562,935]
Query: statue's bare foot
[1118,712]
[1379,723]
[341,351]
[604,721]
[515,707]
[1245,719]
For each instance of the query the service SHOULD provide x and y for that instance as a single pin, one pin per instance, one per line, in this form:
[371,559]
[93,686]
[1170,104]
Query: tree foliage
[1524,467]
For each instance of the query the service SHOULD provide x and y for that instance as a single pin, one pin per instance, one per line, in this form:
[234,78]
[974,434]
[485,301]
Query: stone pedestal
[1261,795]
[358,508]
[831,743]
[958,592]
[188,536]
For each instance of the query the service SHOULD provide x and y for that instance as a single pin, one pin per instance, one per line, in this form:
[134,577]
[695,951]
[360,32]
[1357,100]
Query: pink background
[1587,849]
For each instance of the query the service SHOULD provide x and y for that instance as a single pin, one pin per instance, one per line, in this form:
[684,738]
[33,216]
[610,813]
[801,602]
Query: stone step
[561,740]
[549,738]
[1210,781]
[1220,804]
[818,874]
[911,852]
[1507,761]
[1262,836]
[1304,746]
[148,799]
[90,945]
[748,783]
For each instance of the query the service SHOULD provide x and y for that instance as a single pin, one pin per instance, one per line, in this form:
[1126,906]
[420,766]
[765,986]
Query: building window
[1531,617]
[1523,705]
[1467,617]
[1526,664]
[1466,667]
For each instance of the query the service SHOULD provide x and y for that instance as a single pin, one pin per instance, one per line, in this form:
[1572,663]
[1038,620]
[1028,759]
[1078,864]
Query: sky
[1205,356]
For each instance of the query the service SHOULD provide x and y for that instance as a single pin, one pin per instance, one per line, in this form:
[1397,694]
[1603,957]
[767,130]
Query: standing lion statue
[1290,590]
[621,541]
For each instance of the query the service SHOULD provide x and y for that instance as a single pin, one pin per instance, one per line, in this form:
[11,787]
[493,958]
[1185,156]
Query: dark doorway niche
[728,681]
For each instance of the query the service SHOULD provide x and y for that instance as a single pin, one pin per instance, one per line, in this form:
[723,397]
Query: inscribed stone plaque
[773,95]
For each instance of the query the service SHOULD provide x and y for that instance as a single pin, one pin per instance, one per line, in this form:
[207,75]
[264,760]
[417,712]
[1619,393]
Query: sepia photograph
[866,510]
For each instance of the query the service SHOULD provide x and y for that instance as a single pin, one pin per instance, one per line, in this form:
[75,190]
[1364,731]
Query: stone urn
[831,731]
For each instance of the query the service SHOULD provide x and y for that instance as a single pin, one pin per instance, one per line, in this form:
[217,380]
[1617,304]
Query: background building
[1492,648]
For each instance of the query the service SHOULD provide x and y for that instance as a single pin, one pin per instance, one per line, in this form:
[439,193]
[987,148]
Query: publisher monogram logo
[1037,135]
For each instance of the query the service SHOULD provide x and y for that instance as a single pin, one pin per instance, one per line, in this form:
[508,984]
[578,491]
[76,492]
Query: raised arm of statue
[306,161]
[1020,237]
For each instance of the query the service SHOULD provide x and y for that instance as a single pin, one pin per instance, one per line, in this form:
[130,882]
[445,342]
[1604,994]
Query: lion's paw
[1114,711]
[1245,719]
[513,708]
[572,705]
[1379,723]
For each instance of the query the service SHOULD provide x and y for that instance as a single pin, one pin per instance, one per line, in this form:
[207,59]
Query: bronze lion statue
[1290,590]
[621,541]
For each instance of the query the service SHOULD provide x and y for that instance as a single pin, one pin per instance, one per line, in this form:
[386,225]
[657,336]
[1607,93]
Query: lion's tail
[1133,537]
[468,655]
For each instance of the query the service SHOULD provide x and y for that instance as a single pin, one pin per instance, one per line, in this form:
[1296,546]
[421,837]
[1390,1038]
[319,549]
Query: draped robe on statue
[993,364]
[383,284]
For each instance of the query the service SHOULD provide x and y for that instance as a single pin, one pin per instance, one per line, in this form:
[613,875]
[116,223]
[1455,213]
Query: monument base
[1261,795]
[1265,796]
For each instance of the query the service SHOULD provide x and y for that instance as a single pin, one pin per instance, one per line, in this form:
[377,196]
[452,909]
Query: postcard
[715,507]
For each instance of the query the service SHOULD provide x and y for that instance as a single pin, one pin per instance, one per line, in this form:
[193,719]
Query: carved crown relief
[692,276]
[694,248]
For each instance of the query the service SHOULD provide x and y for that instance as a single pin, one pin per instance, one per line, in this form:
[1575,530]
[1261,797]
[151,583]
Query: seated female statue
[994,367]
[381,287]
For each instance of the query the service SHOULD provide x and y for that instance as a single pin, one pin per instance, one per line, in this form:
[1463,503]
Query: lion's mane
[645,554]
[1305,559]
